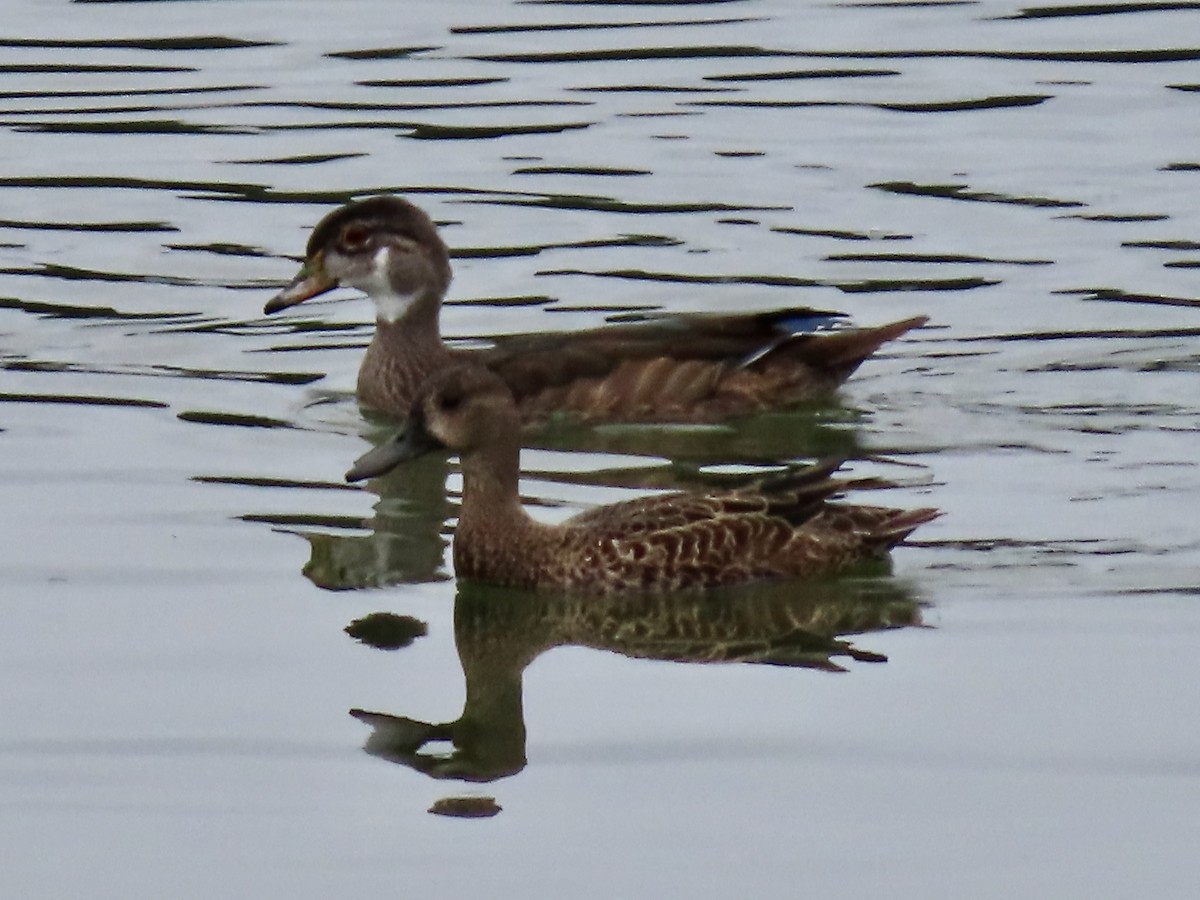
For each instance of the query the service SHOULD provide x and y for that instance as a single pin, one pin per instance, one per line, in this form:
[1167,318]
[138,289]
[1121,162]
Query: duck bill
[310,281]
[410,443]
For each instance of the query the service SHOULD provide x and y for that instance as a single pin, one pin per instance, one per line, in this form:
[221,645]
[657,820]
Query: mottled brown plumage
[783,528]
[698,368]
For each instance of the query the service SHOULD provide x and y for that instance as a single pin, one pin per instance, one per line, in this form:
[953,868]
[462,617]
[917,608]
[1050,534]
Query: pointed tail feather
[836,349]
[904,523]
[843,348]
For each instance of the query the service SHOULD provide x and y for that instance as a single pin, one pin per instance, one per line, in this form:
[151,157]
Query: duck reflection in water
[404,543]
[500,631]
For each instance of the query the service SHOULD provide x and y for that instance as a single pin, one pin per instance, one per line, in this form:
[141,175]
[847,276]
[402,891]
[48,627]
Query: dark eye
[449,402]
[355,238]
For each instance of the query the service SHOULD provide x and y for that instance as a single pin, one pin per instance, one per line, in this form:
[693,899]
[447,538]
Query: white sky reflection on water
[176,713]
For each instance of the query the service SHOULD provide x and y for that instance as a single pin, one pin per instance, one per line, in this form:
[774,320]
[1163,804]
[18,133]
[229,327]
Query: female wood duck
[787,528]
[698,368]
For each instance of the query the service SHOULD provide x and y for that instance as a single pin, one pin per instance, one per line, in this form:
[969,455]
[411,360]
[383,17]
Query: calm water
[180,558]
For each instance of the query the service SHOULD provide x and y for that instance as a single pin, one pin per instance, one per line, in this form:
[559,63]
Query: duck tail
[849,348]
[840,352]
[901,524]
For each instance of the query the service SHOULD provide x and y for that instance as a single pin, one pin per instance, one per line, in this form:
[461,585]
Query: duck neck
[411,318]
[490,484]
[391,305]
[494,532]
[406,348]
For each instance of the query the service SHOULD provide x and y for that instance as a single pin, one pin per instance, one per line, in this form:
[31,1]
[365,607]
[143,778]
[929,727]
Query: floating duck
[690,369]
[785,527]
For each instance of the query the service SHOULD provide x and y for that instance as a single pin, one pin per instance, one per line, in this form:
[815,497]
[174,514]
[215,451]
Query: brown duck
[697,368]
[786,528]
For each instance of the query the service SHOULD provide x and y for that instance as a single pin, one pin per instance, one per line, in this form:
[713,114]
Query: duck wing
[791,496]
[786,527]
[698,368]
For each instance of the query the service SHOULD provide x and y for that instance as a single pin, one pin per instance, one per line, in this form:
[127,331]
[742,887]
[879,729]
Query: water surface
[180,557]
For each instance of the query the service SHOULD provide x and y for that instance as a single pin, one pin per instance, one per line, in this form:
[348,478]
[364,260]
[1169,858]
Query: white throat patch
[389,306]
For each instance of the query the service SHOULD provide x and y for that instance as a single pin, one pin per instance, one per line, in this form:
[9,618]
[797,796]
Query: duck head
[384,246]
[464,410]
